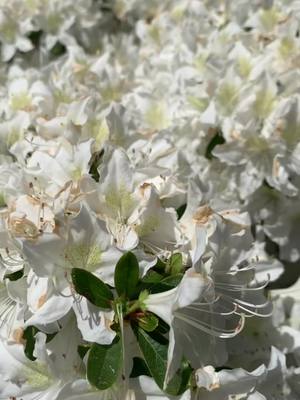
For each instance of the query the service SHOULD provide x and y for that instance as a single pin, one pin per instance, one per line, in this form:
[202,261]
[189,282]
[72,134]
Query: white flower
[227,384]
[158,128]
[177,307]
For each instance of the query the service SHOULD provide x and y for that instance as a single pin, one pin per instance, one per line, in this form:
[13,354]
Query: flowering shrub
[149,193]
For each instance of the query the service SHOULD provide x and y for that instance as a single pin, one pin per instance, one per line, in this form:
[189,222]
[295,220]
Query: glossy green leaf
[180,382]
[154,348]
[127,275]
[148,322]
[152,277]
[92,288]
[104,364]
[167,283]
[175,264]
[139,368]
[29,335]
[160,266]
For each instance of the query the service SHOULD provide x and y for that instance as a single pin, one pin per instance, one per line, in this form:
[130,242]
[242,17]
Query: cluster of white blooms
[150,200]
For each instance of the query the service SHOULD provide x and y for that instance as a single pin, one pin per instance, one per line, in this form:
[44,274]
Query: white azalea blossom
[149,200]
[228,383]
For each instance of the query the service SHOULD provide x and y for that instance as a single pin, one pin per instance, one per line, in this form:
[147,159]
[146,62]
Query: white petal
[93,323]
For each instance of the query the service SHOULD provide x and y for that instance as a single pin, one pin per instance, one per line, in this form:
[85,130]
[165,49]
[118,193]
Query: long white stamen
[225,333]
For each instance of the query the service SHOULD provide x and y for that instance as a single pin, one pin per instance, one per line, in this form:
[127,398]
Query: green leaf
[152,277]
[92,288]
[160,265]
[144,294]
[162,327]
[104,364]
[181,210]
[58,49]
[14,276]
[35,37]
[50,336]
[127,275]
[168,283]
[148,322]
[139,368]
[181,380]
[82,349]
[223,367]
[216,139]
[94,164]
[154,348]
[175,264]
[29,335]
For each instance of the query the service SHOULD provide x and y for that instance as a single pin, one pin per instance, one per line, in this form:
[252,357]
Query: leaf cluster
[105,363]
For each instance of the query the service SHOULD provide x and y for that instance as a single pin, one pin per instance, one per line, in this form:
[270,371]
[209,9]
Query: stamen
[208,328]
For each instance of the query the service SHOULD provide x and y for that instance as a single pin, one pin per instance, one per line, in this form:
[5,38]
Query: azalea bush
[149,194]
